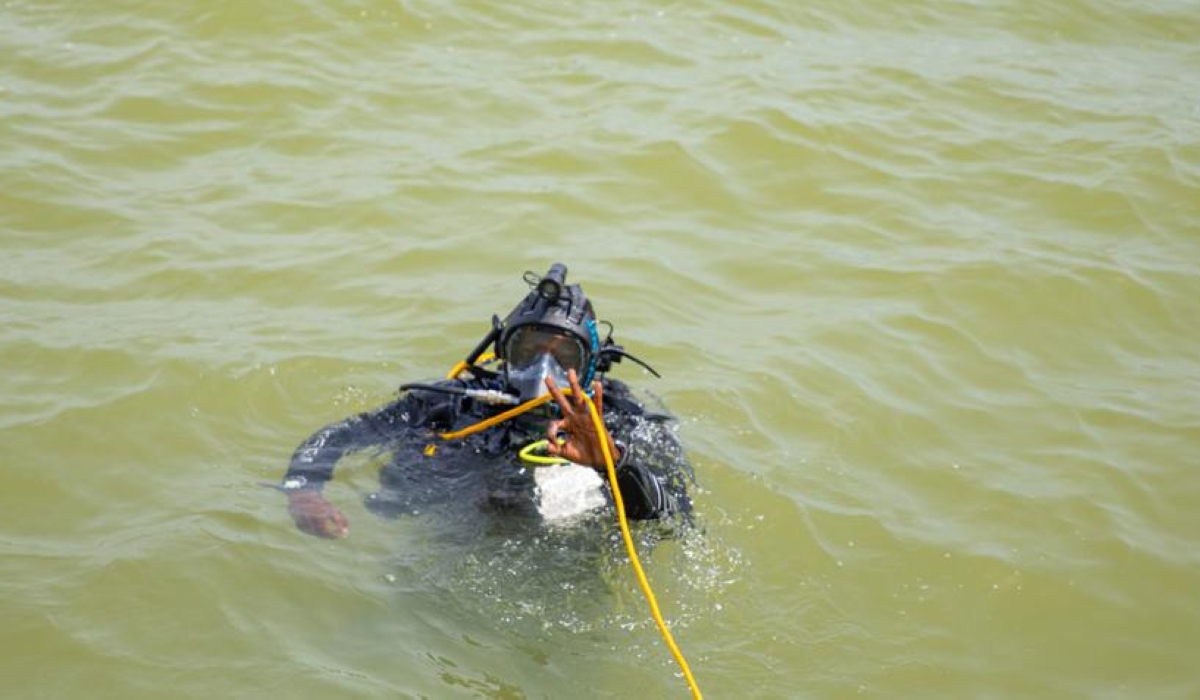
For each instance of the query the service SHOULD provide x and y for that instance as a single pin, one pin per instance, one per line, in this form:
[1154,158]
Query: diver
[509,430]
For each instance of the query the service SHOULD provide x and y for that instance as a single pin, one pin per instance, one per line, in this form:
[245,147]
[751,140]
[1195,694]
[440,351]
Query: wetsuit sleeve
[653,474]
[642,493]
[314,460]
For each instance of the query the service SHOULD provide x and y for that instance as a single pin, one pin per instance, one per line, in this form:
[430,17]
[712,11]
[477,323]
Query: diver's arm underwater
[314,460]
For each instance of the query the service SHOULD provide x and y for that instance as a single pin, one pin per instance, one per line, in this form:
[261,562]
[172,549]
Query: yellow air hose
[498,418]
[463,366]
[633,557]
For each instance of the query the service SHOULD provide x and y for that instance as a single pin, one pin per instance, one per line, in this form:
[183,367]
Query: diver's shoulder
[618,392]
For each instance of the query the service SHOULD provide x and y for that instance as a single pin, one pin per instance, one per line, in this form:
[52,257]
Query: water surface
[920,279]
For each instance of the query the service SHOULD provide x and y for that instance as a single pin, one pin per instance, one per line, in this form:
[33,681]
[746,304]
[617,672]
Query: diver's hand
[315,515]
[581,443]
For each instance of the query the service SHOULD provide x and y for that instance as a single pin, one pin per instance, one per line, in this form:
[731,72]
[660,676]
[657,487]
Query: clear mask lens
[528,343]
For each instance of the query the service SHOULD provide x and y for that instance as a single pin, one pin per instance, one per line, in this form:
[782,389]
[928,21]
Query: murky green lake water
[921,279]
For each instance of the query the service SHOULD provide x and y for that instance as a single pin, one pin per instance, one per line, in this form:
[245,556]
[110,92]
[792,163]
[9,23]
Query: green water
[921,279]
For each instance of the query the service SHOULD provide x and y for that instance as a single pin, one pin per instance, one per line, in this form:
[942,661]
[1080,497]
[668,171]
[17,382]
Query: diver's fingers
[323,522]
[576,391]
[313,514]
[552,431]
[335,526]
[598,391]
[558,397]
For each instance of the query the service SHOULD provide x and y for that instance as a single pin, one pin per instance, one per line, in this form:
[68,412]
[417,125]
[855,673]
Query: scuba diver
[509,430]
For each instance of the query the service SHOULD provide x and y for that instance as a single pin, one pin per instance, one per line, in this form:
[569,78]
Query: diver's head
[551,331]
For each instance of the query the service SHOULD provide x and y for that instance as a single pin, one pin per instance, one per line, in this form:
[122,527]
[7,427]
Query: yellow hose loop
[633,557]
[527,454]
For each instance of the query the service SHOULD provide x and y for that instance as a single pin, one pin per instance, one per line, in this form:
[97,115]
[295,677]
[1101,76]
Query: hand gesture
[581,443]
[315,515]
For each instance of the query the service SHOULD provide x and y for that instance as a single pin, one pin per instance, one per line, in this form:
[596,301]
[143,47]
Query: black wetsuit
[423,471]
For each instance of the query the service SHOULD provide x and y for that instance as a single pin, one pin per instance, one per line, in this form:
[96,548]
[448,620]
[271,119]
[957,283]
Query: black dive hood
[552,307]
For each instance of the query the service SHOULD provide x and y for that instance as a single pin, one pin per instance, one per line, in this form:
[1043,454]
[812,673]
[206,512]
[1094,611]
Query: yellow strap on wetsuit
[633,557]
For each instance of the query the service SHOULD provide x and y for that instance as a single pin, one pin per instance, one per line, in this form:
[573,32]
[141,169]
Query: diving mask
[526,344]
